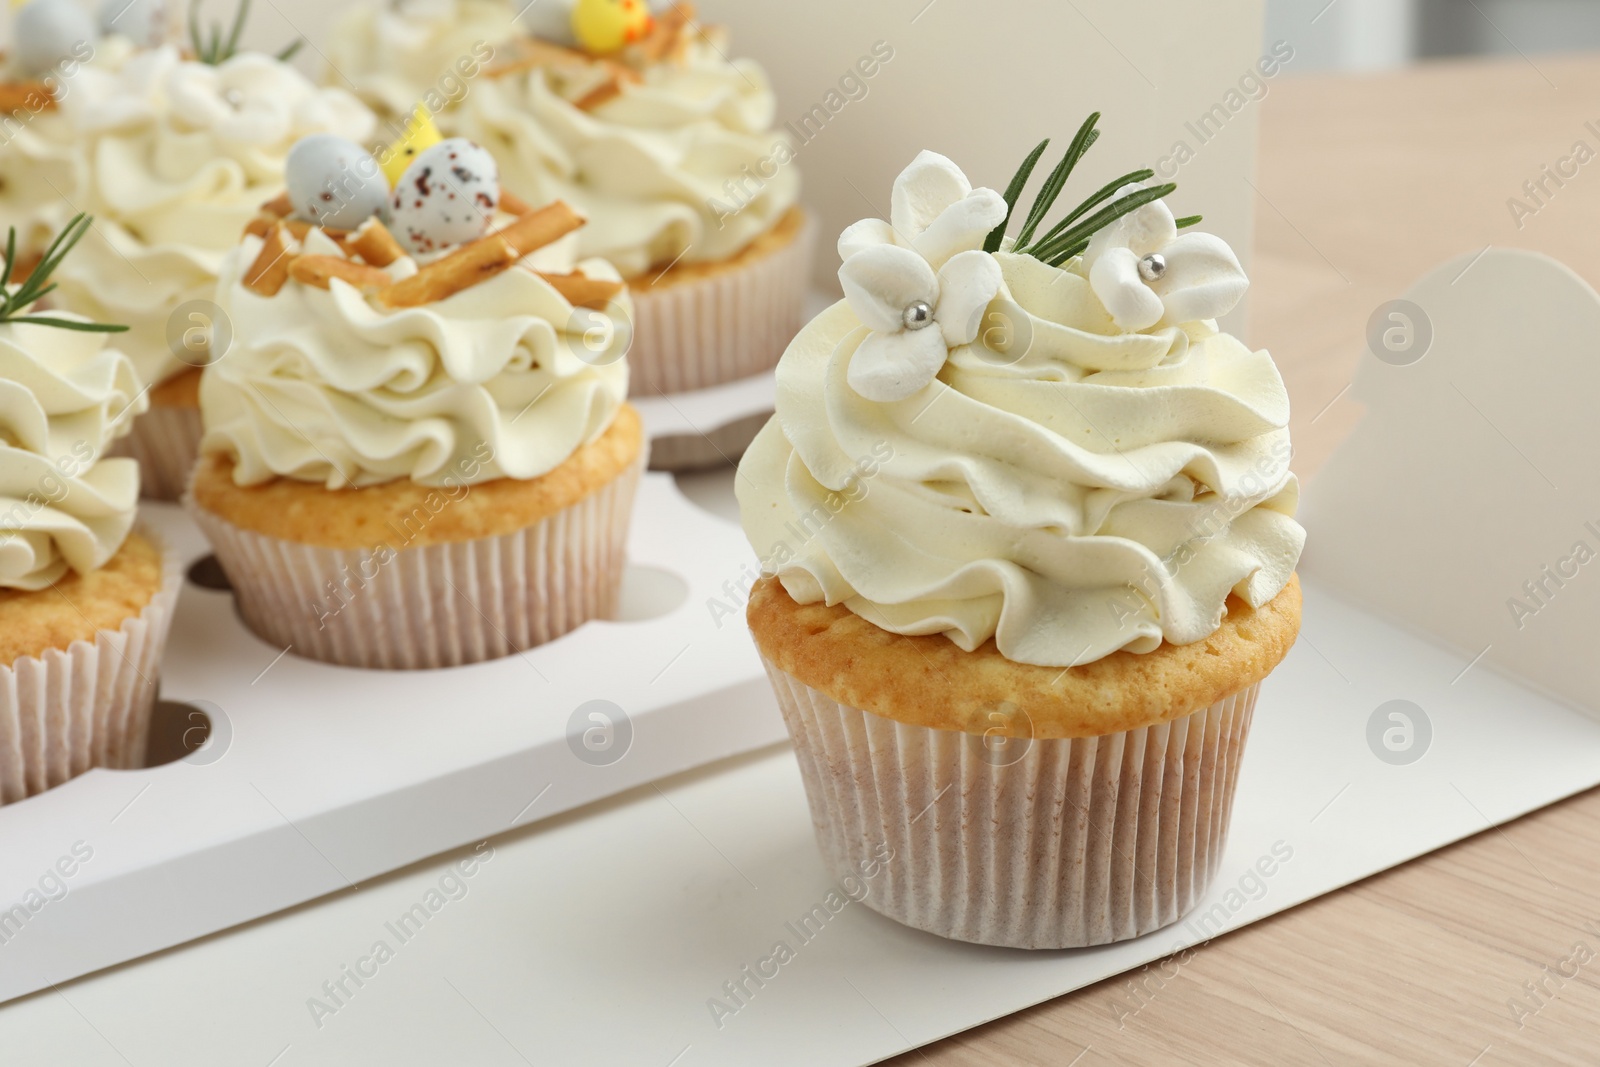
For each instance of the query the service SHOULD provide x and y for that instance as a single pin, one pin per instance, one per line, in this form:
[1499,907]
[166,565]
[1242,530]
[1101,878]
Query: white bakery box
[575,855]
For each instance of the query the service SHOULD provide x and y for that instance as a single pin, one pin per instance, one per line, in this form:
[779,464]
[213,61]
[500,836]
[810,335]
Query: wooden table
[1366,183]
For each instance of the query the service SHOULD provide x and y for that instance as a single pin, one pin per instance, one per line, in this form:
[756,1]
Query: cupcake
[1026,523]
[85,598]
[418,451]
[178,154]
[644,125]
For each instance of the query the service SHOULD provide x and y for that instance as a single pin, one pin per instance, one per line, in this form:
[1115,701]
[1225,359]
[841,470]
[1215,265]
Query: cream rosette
[181,155]
[64,397]
[661,170]
[1059,479]
[395,54]
[40,164]
[321,386]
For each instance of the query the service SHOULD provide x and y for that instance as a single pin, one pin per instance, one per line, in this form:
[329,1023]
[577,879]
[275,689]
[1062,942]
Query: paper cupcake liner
[1080,841]
[63,712]
[432,606]
[705,331]
[166,442]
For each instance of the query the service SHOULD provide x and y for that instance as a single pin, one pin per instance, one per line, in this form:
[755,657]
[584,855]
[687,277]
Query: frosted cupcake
[85,599]
[641,123]
[418,452]
[1027,520]
[178,156]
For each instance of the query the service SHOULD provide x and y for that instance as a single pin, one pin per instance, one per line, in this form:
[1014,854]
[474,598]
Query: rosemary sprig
[13,304]
[214,49]
[1086,136]
[1013,191]
[1070,236]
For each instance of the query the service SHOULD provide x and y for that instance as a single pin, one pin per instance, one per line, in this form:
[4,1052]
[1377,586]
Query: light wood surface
[1366,183]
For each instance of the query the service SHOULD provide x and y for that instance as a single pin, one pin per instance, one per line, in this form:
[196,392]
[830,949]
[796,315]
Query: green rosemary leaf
[1076,250]
[1102,194]
[11,261]
[36,296]
[194,31]
[71,324]
[1187,221]
[289,50]
[239,15]
[1019,181]
[1099,220]
[70,235]
[38,283]
[1042,203]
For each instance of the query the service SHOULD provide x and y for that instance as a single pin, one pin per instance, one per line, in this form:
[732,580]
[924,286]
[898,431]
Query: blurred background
[1379,34]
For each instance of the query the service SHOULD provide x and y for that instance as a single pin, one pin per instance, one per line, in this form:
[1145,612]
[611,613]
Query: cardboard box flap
[1466,504]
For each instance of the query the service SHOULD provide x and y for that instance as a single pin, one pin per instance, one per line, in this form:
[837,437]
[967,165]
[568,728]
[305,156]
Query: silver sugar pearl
[1153,266]
[918,315]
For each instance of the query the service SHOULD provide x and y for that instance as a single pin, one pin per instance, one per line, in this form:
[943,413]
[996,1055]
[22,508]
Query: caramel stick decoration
[319,271]
[512,204]
[270,270]
[26,96]
[581,291]
[666,36]
[375,244]
[483,258]
[280,205]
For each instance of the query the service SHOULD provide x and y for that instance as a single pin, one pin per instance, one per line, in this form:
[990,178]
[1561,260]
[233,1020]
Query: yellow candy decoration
[604,26]
[420,134]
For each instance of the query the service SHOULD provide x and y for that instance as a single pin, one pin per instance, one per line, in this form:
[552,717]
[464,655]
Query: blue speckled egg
[334,182]
[47,32]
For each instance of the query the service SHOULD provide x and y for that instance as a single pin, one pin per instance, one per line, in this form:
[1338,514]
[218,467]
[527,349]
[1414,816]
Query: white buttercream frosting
[1063,486]
[40,166]
[503,379]
[393,54]
[64,397]
[180,156]
[682,166]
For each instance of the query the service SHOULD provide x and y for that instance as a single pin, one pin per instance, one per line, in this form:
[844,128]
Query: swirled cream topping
[180,156]
[38,153]
[394,55]
[1049,479]
[64,397]
[680,165]
[504,379]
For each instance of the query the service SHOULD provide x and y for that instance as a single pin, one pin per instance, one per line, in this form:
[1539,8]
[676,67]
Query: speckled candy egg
[447,197]
[48,32]
[334,182]
[144,22]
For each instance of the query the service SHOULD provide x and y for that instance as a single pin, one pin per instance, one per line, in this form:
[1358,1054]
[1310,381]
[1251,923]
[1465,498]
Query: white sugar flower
[1146,274]
[920,281]
[916,316]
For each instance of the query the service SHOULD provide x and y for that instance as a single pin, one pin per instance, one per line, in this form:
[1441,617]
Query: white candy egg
[549,20]
[334,182]
[49,32]
[144,22]
[447,197]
